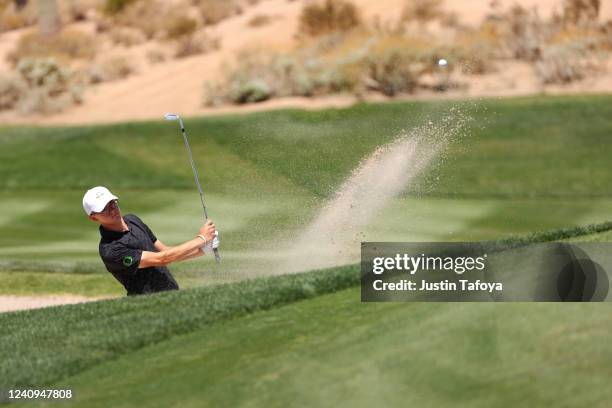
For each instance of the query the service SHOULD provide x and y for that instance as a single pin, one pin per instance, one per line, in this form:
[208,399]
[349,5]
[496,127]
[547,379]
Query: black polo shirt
[121,253]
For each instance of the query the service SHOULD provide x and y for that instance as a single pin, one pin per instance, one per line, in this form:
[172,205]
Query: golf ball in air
[442,62]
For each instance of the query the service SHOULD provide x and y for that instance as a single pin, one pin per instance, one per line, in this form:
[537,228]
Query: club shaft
[195,172]
[197,181]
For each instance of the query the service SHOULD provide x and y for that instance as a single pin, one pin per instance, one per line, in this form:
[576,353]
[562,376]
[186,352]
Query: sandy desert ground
[177,85]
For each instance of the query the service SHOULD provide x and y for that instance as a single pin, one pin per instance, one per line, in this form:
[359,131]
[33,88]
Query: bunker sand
[9,303]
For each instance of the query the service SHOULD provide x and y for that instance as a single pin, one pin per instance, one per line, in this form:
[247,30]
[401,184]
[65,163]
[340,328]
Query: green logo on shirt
[127,260]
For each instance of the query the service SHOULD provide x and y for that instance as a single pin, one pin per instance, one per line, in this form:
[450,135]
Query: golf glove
[208,248]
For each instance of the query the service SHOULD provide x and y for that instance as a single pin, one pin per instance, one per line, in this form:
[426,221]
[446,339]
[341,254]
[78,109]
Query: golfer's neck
[118,226]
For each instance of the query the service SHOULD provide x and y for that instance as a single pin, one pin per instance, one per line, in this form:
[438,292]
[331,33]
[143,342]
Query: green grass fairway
[515,168]
[33,283]
[333,350]
[519,166]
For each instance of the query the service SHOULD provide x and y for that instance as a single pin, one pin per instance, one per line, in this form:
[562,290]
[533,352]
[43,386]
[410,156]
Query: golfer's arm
[171,254]
[195,254]
[160,246]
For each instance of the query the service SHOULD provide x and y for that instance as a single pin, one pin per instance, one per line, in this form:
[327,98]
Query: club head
[171,116]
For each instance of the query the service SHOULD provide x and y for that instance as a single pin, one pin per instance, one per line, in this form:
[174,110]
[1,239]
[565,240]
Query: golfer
[130,250]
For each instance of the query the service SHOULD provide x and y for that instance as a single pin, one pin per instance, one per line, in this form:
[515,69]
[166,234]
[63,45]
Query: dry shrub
[144,16]
[394,64]
[44,73]
[423,11]
[328,16]
[561,65]
[156,19]
[11,21]
[47,87]
[563,48]
[11,89]
[606,35]
[450,20]
[525,33]
[155,56]
[571,56]
[181,26]
[80,10]
[151,17]
[105,24]
[111,69]
[389,64]
[127,36]
[214,94]
[12,18]
[215,11]
[114,7]
[587,39]
[477,49]
[391,72]
[255,90]
[257,76]
[198,43]
[250,81]
[66,46]
[259,20]
[581,12]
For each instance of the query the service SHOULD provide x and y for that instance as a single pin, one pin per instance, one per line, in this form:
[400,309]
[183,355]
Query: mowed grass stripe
[61,239]
[82,278]
[511,148]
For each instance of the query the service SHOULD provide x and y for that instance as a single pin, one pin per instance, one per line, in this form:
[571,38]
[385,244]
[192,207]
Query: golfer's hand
[208,231]
[216,241]
[214,244]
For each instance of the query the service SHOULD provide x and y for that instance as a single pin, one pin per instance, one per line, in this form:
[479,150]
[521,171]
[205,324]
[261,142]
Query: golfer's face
[110,213]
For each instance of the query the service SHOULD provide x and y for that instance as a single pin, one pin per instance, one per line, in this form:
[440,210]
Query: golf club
[174,116]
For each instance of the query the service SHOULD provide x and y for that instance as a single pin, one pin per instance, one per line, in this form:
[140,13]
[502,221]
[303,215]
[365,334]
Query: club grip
[217,256]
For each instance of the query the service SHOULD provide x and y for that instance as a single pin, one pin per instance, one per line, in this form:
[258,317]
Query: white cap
[96,199]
